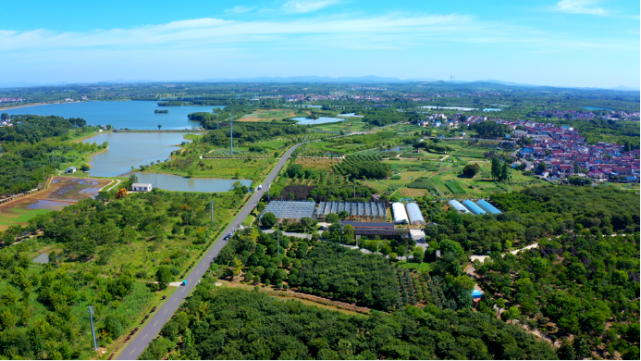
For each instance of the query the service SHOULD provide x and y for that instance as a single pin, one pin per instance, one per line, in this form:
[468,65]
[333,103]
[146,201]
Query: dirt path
[482,258]
[289,294]
[112,186]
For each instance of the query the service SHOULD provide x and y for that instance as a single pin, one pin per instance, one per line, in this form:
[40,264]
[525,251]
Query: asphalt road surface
[163,314]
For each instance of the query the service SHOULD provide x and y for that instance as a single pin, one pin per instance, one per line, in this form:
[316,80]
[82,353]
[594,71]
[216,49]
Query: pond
[42,258]
[171,182]
[137,115]
[598,108]
[321,120]
[128,150]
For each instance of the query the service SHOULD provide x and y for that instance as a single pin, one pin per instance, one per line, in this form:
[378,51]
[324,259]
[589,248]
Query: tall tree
[496,168]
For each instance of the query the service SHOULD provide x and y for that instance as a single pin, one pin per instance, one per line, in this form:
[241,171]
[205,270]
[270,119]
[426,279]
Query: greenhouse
[290,210]
[488,207]
[458,206]
[400,216]
[473,207]
[414,213]
[371,211]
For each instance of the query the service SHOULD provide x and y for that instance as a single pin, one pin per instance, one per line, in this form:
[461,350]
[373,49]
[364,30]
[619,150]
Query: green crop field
[454,187]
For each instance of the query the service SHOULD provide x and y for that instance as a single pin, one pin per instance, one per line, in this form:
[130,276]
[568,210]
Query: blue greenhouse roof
[488,207]
[473,207]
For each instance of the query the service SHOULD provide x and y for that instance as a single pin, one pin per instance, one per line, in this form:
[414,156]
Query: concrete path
[162,315]
[291,234]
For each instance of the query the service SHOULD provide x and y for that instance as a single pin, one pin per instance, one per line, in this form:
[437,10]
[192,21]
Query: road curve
[164,313]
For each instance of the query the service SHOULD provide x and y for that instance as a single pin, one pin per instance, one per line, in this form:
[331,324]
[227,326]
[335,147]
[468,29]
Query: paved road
[162,315]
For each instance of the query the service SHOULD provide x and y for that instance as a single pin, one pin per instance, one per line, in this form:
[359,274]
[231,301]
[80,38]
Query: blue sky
[582,43]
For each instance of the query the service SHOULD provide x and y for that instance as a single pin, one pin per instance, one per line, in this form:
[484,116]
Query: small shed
[418,235]
[414,213]
[141,187]
[71,170]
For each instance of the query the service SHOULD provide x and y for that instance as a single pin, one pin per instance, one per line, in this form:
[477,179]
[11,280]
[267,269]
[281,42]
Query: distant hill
[312,79]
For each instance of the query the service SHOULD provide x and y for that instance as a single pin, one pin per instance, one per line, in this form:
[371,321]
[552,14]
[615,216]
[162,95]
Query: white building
[141,187]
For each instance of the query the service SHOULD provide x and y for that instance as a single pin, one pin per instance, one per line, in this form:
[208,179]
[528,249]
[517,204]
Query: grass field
[322,164]
[254,169]
[413,192]
[267,115]
[454,187]
[420,267]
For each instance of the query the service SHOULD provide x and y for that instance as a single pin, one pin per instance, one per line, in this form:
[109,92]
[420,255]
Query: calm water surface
[42,258]
[131,149]
[177,183]
[597,108]
[125,114]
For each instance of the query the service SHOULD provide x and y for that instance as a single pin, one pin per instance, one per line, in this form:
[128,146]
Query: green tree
[470,170]
[164,276]
[268,220]
[113,326]
[331,218]
[85,167]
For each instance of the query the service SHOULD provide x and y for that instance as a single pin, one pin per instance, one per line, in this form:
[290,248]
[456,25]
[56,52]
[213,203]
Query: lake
[122,114]
[321,120]
[131,149]
[171,182]
[597,108]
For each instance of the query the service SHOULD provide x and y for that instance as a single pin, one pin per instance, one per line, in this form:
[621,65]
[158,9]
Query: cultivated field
[62,192]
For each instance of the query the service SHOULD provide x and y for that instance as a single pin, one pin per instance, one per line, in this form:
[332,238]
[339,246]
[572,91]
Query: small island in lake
[158,111]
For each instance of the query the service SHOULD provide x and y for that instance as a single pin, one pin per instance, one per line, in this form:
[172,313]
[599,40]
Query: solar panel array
[369,209]
[290,209]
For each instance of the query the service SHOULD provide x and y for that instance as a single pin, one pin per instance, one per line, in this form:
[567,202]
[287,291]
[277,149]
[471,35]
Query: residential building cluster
[10,100]
[567,154]
[574,114]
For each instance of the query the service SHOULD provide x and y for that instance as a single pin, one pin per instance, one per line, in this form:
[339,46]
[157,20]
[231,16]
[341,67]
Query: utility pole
[93,330]
[278,241]
[231,134]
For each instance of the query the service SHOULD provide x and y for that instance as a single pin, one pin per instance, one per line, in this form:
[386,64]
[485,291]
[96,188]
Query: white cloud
[399,31]
[229,31]
[307,6]
[580,7]
[240,9]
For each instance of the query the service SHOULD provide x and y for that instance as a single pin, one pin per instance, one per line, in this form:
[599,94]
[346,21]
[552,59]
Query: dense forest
[540,212]
[491,129]
[236,324]
[36,146]
[34,128]
[311,266]
[107,255]
[581,285]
